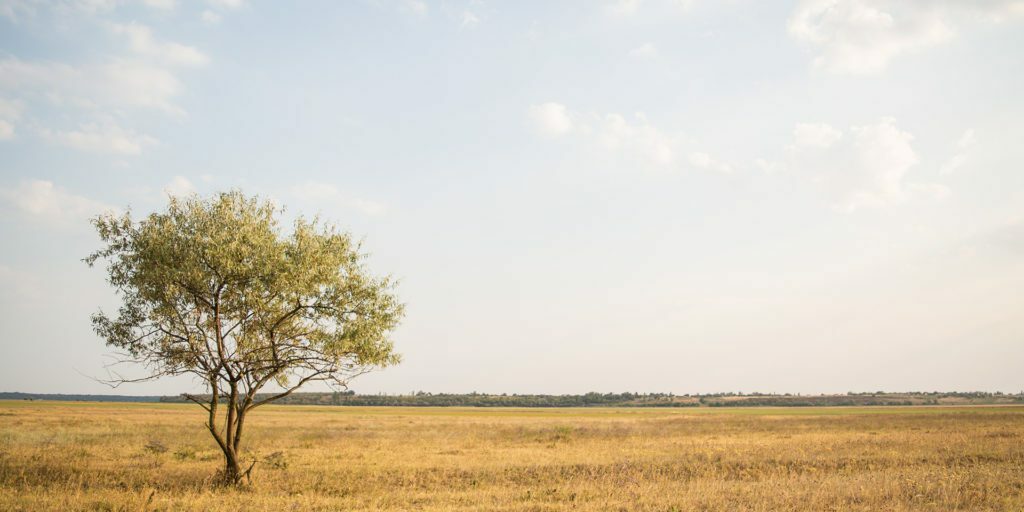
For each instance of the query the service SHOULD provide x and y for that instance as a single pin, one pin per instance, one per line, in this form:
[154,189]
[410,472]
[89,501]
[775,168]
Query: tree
[215,289]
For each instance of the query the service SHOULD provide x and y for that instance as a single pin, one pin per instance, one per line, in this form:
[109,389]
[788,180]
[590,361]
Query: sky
[679,196]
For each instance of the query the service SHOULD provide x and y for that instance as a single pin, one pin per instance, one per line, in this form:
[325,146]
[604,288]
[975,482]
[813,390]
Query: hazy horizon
[627,195]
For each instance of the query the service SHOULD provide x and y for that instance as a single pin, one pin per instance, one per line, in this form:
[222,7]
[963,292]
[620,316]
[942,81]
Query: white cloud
[469,20]
[882,157]
[638,139]
[142,42]
[628,8]
[179,186]
[867,167]
[863,36]
[634,139]
[702,160]
[368,207]
[683,5]
[855,36]
[108,138]
[935,191]
[117,83]
[644,51]
[550,119]
[17,10]
[89,95]
[10,111]
[768,166]
[815,134]
[6,130]
[413,7]
[325,193]
[218,8]
[623,7]
[963,147]
[966,141]
[165,5]
[42,199]
[209,17]
[227,4]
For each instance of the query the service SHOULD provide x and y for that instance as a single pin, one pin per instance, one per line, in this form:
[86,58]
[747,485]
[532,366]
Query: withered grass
[134,457]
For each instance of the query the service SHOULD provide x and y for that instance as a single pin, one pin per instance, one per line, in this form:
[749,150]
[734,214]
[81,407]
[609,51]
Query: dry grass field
[86,456]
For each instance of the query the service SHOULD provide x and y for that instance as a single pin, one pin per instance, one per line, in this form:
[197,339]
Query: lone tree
[214,288]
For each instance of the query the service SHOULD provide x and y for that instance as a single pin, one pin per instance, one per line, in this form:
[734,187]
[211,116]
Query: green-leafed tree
[215,288]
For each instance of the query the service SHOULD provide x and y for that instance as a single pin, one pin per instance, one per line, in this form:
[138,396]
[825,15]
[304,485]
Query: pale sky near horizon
[619,195]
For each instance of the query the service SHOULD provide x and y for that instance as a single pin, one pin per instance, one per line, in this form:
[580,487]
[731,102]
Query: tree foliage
[216,289]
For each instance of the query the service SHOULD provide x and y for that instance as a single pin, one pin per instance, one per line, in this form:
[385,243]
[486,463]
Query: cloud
[815,135]
[936,191]
[10,111]
[963,147]
[218,8]
[43,200]
[210,18]
[1008,237]
[142,42]
[117,83]
[179,186]
[413,7]
[95,93]
[227,4]
[165,5]
[17,10]
[683,5]
[469,20]
[325,193]
[863,36]
[882,156]
[644,51]
[215,14]
[635,139]
[368,207]
[110,139]
[768,166]
[89,95]
[550,119]
[623,7]
[866,167]
[629,8]
[705,161]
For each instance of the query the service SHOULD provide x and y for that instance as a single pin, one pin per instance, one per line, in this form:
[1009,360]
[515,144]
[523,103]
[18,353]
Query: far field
[114,456]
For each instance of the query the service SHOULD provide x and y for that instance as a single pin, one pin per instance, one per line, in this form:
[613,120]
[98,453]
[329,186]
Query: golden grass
[64,456]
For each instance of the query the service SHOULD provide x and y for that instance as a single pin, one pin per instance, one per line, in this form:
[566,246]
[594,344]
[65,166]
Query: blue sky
[650,195]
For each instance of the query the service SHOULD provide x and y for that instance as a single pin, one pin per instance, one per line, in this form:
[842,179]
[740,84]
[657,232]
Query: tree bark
[232,471]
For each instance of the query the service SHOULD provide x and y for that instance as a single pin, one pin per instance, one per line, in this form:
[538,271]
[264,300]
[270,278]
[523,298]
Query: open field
[88,456]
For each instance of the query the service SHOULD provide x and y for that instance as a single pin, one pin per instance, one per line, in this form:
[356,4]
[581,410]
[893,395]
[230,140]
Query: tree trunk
[229,440]
[232,471]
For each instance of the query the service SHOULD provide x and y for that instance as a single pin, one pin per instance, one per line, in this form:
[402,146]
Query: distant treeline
[730,399]
[424,399]
[77,398]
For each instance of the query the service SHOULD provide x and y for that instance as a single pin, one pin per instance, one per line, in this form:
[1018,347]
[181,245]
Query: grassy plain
[90,456]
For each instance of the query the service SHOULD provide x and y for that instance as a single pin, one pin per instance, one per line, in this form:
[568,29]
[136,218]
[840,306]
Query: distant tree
[214,288]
